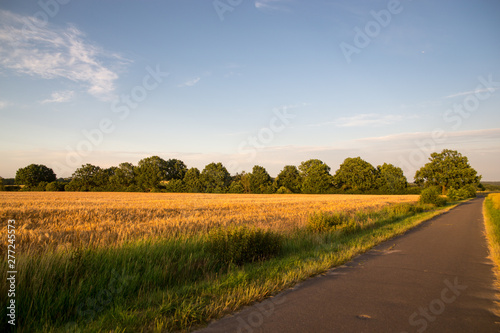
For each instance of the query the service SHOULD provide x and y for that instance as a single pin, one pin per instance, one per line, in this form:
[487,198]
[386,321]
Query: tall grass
[491,211]
[185,279]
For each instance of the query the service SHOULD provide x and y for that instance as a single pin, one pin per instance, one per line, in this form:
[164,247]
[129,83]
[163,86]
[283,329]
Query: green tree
[236,187]
[34,174]
[260,181]
[316,178]
[87,178]
[288,178]
[175,186]
[103,179]
[2,186]
[215,178]
[356,174]
[447,169]
[124,177]
[151,171]
[176,169]
[391,179]
[55,186]
[192,181]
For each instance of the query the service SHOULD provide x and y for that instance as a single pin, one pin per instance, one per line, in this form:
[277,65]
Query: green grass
[491,211]
[180,284]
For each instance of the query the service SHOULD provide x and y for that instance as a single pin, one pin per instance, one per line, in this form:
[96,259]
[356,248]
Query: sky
[248,82]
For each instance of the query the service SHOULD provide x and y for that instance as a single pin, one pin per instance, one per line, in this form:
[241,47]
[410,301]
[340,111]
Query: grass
[143,282]
[491,211]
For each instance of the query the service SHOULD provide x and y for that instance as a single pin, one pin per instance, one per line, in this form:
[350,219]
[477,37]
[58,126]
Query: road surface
[435,278]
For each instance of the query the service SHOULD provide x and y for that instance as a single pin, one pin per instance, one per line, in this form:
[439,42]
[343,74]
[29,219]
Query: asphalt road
[435,278]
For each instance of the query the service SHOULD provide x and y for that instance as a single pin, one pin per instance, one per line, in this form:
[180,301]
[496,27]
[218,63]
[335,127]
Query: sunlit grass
[130,262]
[491,211]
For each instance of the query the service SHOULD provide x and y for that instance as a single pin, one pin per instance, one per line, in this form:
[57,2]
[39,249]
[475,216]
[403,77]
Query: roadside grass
[179,284]
[491,212]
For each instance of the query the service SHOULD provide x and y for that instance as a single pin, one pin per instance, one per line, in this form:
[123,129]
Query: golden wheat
[47,220]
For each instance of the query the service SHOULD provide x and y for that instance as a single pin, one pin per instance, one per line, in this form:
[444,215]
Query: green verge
[492,226]
[177,284]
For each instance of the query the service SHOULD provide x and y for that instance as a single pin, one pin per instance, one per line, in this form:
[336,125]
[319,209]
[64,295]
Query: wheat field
[60,220]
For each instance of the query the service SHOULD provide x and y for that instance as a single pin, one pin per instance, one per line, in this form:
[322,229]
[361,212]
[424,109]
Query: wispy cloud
[470,92]
[3,104]
[364,120]
[460,136]
[190,83]
[60,97]
[29,46]
[270,5]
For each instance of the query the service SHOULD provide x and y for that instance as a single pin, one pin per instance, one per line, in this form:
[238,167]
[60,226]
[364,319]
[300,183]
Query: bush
[325,221]
[175,186]
[283,190]
[54,186]
[236,187]
[239,245]
[468,191]
[431,196]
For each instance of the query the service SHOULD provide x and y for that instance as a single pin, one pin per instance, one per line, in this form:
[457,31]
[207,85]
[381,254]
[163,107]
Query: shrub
[54,186]
[239,245]
[283,190]
[431,196]
[236,187]
[325,221]
[468,191]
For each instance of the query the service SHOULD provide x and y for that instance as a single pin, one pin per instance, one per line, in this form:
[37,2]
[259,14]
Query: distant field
[53,219]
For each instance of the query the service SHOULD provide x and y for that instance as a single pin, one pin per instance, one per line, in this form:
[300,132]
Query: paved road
[435,278]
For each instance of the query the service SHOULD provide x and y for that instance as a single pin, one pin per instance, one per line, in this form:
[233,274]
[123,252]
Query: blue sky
[263,82]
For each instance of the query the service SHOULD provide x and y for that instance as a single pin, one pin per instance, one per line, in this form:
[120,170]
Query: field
[128,262]
[48,220]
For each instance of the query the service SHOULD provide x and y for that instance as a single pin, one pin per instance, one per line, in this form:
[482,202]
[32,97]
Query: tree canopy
[448,169]
[34,174]
[215,178]
[289,178]
[260,181]
[391,179]
[316,178]
[356,174]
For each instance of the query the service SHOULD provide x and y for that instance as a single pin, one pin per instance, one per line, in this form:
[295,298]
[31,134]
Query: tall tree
[151,171]
[86,178]
[34,174]
[260,181]
[356,174]
[176,169]
[192,181]
[391,179]
[124,177]
[289,178]
[447,169]
[215,178]
[316,178]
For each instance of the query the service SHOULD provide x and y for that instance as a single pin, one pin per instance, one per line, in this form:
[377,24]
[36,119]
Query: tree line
[448,169]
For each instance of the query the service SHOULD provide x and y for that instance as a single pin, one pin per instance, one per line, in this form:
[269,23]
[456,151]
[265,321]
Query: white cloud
[190,83]
[60,97]
[30,46]
[363,120]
